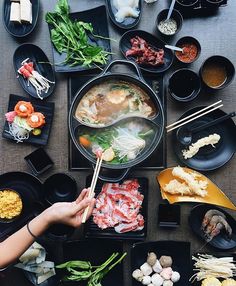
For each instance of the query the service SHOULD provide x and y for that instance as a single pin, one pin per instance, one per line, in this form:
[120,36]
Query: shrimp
[216,224]
[208,216]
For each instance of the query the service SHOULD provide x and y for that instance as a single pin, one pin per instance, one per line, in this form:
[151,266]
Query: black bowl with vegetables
[119,114]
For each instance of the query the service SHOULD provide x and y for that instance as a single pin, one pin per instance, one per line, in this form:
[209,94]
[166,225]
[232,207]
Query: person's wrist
[48,216]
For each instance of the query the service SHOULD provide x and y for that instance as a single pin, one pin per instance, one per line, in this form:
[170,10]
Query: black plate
[209,158]
[153,42]
[98,18]
[178,250]
[217,255]
[18,30]
[96,251]
[220,241]
[31,192]
[92,230]
[129,22]
[41,65]
[47,108]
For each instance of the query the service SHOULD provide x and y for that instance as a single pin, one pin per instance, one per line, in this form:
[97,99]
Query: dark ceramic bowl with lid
[191,50]
[186,3]
[217,72]
[214,3]
[171,26]
[60,187]
[184,85]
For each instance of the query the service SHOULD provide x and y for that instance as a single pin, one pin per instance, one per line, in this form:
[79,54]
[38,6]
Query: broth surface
[214,74]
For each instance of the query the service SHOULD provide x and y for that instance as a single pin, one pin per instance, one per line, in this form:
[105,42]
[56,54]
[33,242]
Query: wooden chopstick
[191,115]
[93,185]
[200,115]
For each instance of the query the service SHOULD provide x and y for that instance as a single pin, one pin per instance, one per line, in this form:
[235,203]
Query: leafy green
[72,38]
[93,274]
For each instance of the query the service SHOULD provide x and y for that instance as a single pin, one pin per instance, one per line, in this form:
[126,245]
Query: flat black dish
[30,190]
[41,65]
[208,158]
[98,18]
[154,42]
[128,22]
[47,108]
[178,250]
[220,241]
[19,30]
[96,251]
[92,230]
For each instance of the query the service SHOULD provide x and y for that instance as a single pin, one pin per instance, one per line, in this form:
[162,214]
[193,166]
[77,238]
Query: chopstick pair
[93,185]
[194,116]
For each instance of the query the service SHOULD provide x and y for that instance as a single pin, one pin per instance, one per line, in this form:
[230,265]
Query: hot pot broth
[112,100]
[120,143]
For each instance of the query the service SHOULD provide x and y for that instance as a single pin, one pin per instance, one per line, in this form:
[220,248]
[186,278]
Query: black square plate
[98,18]
[178,250]
[96,252]
[47,108]
[92,230]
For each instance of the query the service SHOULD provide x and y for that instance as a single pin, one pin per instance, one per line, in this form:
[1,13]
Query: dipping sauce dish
[191,50]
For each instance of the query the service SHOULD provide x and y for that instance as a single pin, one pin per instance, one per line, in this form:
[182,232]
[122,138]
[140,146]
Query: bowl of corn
[10,205]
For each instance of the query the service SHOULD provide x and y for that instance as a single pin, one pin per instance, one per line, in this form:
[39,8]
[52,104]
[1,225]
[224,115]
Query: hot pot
[156,122]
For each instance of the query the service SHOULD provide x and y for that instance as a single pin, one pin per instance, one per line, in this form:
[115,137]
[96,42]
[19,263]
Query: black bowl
[59,232]
[60,187]
[221,241]
[215,3]
[188,40]
[19,30]
[41,65]
[175,15]
[218,61]
[5,220]
[186,3]
[129,22]
[184,85]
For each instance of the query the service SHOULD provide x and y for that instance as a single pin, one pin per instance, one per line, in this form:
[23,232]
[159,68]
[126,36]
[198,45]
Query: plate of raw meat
[120,210]
[146,50]
[214,225]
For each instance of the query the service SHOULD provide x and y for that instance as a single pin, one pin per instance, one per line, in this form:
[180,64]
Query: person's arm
[68,213]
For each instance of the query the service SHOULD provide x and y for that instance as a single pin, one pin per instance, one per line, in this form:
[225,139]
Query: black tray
[92,230]
[157,161]
[30,190]
[96,252]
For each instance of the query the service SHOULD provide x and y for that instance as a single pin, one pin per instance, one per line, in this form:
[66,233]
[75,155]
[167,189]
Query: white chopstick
[200,115]
[93,185]
[195,113]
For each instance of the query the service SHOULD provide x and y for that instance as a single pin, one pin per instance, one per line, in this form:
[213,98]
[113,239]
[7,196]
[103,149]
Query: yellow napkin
[214,194]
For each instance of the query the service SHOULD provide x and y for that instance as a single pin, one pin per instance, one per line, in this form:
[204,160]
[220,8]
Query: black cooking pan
[156,122]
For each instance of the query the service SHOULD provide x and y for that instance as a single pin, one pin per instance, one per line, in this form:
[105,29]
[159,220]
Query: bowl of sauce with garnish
[217,72]
[191,50]
[184,85]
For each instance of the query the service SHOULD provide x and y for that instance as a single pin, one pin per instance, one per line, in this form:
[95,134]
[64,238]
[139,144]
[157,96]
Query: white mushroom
[157,280]
[146,269]
[137,275]
[146,280]
[157,267]
[168,283]
[175,276]
[166,273]
[152,258]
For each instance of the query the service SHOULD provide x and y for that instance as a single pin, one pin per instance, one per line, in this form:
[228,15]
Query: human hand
[70,213]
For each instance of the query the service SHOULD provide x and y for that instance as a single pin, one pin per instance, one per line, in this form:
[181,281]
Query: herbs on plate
[73,38]
[78,270]
[39,82]
[24,121]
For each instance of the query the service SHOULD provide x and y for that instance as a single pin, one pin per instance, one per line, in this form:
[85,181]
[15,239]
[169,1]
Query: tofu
[26,11]
[15,13]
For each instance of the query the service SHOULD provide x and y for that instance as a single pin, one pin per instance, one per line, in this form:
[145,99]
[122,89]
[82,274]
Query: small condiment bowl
[187,40]
[184,85]
[6,220]
[186,3]
[175,16]
[60,187]
[221,62]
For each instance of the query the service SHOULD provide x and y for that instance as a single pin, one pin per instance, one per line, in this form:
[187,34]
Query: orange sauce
[214,74]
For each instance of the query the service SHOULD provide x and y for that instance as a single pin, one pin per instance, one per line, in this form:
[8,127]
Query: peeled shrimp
[208,216]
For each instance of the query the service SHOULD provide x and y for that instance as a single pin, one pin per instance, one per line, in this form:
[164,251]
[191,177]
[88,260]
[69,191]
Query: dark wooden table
[217,35]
